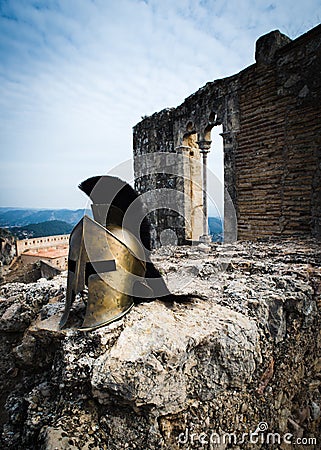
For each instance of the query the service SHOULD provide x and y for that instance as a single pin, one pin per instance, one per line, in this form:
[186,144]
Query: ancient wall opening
[269,120]
[215,195]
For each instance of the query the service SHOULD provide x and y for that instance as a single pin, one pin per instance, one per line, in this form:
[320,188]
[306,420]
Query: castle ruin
[270,115]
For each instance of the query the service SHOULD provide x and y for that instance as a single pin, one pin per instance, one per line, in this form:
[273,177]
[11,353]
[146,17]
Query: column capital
[204,146]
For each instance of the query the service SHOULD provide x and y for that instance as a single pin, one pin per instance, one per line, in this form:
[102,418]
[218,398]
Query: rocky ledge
[235,365]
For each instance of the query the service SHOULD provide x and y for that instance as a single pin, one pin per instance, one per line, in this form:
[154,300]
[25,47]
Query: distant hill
[10,217]
[48,228]
[215,225]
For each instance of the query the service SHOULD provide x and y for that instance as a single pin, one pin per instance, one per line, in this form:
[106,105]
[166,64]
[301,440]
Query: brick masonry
[271,119]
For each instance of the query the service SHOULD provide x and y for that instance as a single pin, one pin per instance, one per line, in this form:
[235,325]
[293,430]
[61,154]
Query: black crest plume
[110,190]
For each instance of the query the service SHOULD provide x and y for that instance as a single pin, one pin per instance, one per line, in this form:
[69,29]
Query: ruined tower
[271,121]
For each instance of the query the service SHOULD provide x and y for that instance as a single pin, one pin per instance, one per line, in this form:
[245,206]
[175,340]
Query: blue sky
[77,75]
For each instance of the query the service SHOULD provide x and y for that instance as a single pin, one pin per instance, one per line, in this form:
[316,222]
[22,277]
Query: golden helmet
[111,259]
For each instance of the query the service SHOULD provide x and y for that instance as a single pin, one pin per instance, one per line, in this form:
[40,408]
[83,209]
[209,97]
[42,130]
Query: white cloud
[76,76]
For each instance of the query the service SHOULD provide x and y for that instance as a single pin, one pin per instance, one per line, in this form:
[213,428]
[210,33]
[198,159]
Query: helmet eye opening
[71,265]
[97,267]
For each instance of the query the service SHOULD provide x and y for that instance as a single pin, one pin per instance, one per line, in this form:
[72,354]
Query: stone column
[184,150]
[204,147]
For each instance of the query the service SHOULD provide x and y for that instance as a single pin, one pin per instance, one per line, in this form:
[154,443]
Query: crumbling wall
[154,137]
[169,131]
[270,115]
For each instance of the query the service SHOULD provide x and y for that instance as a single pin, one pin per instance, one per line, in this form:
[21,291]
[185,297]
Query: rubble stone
[237,347]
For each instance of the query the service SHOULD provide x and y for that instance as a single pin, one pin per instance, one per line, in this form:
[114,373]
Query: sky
[77,75]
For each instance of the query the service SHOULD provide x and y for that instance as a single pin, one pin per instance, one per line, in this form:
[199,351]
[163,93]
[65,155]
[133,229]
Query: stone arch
[210,144]
[212,122]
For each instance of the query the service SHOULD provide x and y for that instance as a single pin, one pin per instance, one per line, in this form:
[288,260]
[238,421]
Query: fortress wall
[41,242]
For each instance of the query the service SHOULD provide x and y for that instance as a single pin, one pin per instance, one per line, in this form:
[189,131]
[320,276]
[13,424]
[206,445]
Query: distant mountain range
[215,225]
[11,217]
[27,223]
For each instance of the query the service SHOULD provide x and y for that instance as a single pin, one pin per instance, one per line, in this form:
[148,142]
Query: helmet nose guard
[111,263]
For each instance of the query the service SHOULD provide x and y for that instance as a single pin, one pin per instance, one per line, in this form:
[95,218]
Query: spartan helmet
[109,256]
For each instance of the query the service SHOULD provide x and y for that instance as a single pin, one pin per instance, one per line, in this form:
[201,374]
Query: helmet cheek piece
[105,304]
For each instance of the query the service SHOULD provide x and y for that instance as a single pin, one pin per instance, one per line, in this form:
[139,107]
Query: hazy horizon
[67,209]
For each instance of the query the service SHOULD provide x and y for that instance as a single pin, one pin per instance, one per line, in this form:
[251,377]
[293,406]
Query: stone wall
[48,270]
[280,129]
[270,115]
[59,261]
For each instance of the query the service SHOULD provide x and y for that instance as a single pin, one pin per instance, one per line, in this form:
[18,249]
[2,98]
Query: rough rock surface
[7,247]
[19,272]
[241,356]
